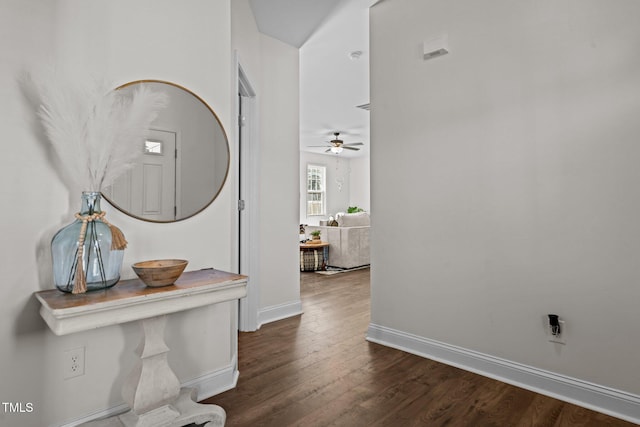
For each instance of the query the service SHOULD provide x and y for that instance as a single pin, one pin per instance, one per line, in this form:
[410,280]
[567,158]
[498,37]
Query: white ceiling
[291,21]
[332,84]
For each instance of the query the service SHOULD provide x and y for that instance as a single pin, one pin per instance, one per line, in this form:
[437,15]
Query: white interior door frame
[246,155]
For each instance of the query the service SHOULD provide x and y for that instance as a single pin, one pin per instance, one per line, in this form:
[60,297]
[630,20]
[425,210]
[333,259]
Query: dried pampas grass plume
[97,132]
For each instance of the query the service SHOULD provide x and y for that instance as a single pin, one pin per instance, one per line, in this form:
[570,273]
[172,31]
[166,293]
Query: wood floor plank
[541,412]
[317,369]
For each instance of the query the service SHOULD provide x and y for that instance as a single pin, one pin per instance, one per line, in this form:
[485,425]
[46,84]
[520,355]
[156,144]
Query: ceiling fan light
[336,150]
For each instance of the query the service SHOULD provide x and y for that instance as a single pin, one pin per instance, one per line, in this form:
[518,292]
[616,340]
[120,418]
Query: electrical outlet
[560,338]
[73,363]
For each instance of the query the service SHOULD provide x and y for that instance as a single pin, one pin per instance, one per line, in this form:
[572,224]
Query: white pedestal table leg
[153,392]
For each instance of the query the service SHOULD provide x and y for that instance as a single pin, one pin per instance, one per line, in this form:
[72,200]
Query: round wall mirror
[185,160]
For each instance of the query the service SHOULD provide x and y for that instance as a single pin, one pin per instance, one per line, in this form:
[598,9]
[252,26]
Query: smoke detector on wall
[435,47]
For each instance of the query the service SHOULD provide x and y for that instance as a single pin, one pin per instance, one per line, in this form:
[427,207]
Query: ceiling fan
[337,145]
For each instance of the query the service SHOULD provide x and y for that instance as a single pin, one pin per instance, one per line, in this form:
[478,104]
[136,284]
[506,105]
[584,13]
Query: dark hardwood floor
[318,370]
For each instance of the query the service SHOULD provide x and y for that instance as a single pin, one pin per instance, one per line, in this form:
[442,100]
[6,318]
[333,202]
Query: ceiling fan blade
[352,144]
[316,145]
[328,150]
[350,148]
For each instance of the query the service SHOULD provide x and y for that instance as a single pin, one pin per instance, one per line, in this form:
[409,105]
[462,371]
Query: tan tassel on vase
[80,280]
[118,241]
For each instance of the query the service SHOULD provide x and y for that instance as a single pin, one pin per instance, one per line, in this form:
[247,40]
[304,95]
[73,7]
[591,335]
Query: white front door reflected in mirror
[149,189]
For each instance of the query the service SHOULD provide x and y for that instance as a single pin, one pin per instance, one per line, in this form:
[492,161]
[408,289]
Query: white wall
[28,182]
[279,166]
[245,39]
[118,40]
[272,68]
[360,183]
[338,170]
[517,173]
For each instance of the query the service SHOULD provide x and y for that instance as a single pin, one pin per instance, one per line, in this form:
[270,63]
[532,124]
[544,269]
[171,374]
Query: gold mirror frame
[216,191]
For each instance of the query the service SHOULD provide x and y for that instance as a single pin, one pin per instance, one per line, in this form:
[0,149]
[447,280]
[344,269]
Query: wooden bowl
[159,272]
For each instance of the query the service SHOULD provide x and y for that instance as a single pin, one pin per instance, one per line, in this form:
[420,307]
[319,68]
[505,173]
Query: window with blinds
[316,193]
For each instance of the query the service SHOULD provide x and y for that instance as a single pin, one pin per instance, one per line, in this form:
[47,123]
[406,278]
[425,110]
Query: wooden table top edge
[314,245]
[136,292]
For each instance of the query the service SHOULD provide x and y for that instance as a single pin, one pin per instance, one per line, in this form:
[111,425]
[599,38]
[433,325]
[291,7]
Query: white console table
[152,390]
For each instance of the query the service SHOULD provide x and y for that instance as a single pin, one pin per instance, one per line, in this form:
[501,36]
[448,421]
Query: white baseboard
[279,312]
[588,395]
[214,382]
[207,385]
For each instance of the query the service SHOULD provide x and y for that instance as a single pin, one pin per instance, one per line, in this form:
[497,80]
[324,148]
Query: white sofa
[348,242]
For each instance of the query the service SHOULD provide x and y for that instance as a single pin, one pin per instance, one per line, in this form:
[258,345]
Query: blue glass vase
[84,260]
